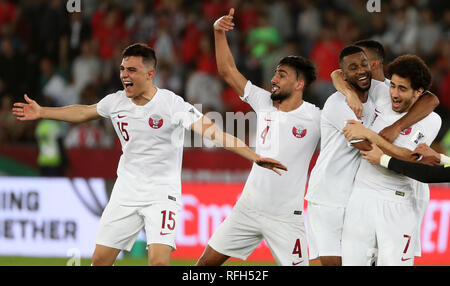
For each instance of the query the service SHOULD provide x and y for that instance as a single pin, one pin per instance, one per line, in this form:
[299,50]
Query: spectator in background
[109,30]
[203,86]
[12,67]
[10,130]
[91,134]
[163,44]
[279,12]
[79,33]
[140,24]
[308,25]
[52,158]
[324,55]
[55,87]
[7,12]
[428,34]
[86,67]
[168,77]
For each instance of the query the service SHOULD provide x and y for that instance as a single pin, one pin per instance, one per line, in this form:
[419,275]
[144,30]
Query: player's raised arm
[226,65]
[206,128]
[31,110]
[355,130]
[351,96]
[426,103]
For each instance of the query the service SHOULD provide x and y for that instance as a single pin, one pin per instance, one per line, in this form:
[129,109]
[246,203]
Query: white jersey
[332,177]
[289,137]
[152,139]
[424,131]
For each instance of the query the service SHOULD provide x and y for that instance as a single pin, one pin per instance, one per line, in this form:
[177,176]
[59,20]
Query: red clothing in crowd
[325,55]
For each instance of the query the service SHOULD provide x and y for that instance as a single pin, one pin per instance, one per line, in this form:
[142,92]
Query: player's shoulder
[333,101]
[311,110]
[115,97]
[432,118]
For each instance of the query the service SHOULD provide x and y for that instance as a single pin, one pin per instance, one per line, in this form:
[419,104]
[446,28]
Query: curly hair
[302,66]
[413,68]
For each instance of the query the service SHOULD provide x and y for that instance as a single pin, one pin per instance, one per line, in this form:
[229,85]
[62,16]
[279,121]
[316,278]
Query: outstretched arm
[224,58]
[206,128]
[31,110]
[421,108]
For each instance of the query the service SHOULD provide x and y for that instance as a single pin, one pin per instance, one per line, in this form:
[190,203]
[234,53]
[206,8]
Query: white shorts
[380,227]
[422,196]
[325,224]
[120,225]
[244,229]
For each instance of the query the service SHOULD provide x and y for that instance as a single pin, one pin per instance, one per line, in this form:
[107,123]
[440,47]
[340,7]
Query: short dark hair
[141,50]
[302,66]
[349,50]
[413,68]
[373,46]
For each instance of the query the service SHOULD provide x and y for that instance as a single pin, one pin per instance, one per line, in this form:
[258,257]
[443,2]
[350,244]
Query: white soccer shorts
[380,226]
[325,224]
[120,225]
[244,229]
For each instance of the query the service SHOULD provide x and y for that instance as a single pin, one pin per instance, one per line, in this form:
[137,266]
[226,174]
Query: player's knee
[157,261]
[331,261]
[101,260]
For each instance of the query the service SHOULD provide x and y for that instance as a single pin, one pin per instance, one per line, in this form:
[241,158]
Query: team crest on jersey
[299,131]
[406,131]
[155,121]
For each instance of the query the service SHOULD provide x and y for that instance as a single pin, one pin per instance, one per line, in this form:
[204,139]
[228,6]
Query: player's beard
[280,96]
[355,84]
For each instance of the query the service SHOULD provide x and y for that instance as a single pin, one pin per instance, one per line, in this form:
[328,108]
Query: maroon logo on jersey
[406,131]
[299,131]
[155,121]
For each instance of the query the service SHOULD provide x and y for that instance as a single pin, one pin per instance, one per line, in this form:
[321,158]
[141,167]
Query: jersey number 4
[123,130]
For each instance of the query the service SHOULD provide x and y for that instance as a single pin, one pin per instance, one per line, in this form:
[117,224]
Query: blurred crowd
[60,58]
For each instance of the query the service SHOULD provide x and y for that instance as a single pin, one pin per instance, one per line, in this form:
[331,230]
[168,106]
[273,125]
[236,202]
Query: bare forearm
[235,145]
[224,57]
[71,113]
[390,149]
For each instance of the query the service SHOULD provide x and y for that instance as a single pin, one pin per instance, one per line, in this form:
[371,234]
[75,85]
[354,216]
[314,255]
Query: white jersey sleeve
[106,105]
[257,97]
[184,113]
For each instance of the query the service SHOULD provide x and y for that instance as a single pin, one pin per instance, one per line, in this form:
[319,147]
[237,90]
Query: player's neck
[289,104]
[363,95]
[145,97]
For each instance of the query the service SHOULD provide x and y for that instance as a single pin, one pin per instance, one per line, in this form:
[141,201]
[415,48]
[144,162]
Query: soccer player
[382,217]
[331,179]
[271,207]
[424,106]
[150,124]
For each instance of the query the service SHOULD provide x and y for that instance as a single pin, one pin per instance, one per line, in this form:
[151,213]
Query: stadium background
[61,58]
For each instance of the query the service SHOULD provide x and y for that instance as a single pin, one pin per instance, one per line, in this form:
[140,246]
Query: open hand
[271,164]
[373,156]
[26,111]
[225,23]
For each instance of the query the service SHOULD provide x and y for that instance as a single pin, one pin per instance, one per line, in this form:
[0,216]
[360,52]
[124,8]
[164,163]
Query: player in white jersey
[328,191]
[150,124]
[271,207]
[382,214]
[424,106]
